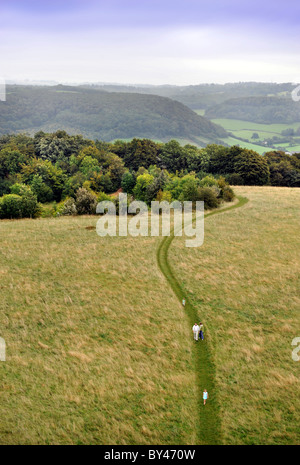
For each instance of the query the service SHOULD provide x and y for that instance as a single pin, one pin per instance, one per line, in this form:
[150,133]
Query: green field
[245,130]
[100,351]
[247,145]
[238,126]
[244,282]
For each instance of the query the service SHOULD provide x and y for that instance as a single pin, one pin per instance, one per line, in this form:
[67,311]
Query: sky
[181,42]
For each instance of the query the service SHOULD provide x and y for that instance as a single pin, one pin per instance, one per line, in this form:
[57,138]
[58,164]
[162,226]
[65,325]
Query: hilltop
[265,110]
[102,115]
[205,95]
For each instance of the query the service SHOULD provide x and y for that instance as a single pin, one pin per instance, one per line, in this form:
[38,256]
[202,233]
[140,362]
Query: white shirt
[196,328]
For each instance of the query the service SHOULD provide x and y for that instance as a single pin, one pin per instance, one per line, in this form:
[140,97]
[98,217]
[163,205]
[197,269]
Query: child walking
[205,396]
[201,331]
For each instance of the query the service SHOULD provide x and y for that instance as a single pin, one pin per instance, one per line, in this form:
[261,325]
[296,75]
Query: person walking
[205,396]
[196,330]
[201,331]
[183,302]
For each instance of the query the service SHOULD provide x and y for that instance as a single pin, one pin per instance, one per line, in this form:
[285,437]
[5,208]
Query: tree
[116,171]
[140,189]
[51,175]
[89,166]
[283,174]
[10,162]
[102,182]
[252,167]
[221,158]
[189,189]
[155,186]
[43,192]
[128,182]
[140,153]
[173,157]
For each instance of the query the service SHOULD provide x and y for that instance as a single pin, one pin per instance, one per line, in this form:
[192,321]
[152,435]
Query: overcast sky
[150,41]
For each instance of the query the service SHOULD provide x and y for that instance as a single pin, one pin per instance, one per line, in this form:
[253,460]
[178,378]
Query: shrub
[11,206]
[86,202]
[48,210]
[209,196]
[30,207]
[102,197]
[222,182]
[227,194]
[68,207]
[208,181]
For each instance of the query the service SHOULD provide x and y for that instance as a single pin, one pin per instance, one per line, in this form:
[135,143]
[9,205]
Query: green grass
[100,351]
[209,423]
[294,148]
[98,348]
[247,145]
[235,125]
[244,284]
[245,129]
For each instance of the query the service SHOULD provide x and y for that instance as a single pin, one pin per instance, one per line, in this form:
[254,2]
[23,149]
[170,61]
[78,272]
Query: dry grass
[98,348]
[245,282]
[100,351]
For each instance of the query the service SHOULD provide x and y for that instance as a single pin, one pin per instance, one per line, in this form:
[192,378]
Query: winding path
[209,422]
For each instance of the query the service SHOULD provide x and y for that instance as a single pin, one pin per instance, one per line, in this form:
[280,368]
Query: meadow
[100,351]
[245,129]
[244,284]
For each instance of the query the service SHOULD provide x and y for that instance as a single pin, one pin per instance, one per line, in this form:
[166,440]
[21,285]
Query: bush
[29,205]
[48,210]
[209,196]
[208,181]
[86,202]
[102,197]
[227,194]
[68,207]
[11,206]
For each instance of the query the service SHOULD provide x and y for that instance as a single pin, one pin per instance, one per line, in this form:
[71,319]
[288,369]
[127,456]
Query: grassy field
[99,349]
[244,283]
[247,145]
[245,130]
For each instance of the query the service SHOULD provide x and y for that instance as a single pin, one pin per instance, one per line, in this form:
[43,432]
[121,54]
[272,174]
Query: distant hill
[96,113]
[205,95]
[257,109]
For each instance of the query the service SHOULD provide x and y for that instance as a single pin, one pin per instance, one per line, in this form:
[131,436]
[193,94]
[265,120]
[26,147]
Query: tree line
[54,173]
